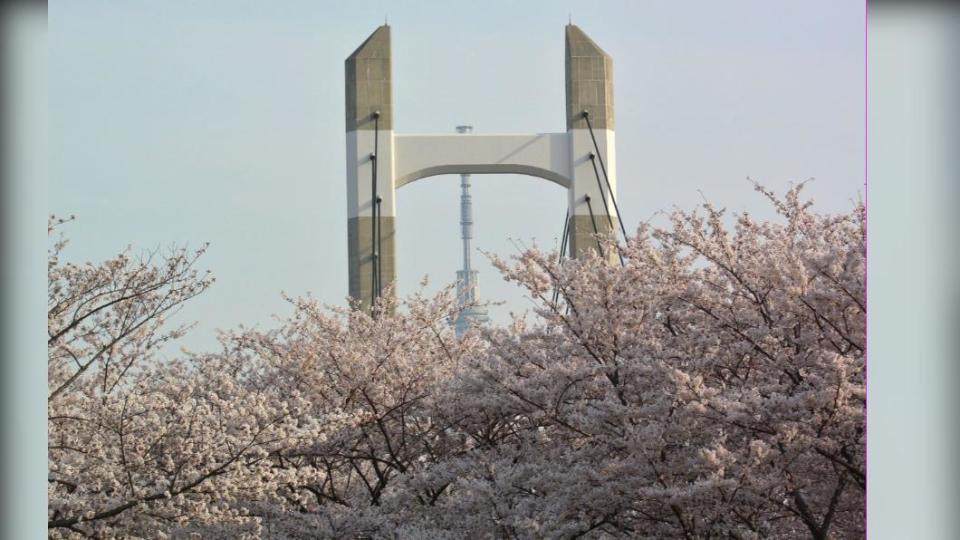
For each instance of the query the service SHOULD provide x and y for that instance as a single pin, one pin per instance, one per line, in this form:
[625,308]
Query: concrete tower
[370,164]
[467,282]
[589,89]
[581,159]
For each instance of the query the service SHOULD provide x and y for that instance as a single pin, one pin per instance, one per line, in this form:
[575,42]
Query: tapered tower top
[589,74]
[368,87]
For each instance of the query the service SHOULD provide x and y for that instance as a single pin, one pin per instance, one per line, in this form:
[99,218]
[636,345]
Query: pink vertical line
[866,301]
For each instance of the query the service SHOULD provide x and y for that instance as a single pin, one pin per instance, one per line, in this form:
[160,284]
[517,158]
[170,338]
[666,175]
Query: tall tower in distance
[467,281]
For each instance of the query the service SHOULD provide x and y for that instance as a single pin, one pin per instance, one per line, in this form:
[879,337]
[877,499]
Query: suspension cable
[603,194]
[563,248]
[374,228]
[609,219]
[566,229]
[586,116]
[373,231]
[379,246]
[594,222]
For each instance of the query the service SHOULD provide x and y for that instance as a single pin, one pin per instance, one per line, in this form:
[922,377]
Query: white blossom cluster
[712,386]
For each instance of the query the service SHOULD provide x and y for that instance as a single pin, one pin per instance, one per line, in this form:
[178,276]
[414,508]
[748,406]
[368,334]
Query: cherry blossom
[710,386]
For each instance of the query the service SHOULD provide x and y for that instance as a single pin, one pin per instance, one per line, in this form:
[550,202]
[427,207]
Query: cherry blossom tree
[710,386]
[140,447]
[713,385]
[389,371]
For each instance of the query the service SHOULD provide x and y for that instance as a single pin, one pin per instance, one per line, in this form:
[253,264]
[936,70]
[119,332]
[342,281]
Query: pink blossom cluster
[711,386]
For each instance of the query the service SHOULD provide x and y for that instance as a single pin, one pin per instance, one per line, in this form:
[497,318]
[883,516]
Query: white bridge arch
[546,155]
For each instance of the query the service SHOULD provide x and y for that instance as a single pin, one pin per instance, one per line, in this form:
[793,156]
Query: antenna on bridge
[467,281]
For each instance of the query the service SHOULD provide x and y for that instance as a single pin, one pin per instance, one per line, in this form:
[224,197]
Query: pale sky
[182,122]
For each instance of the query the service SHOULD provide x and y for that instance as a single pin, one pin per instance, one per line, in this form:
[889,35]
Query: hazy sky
[181,122]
